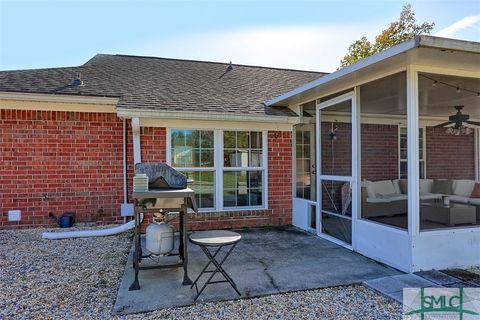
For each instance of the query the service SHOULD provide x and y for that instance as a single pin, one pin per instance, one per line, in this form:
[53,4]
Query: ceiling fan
[458,119]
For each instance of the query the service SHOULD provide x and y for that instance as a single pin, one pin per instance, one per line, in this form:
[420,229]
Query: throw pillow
[403,185]
[442,186]
[369,188]
[476,191]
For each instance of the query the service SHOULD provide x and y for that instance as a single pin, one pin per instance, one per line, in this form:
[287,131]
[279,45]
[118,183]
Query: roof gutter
[142,113]
[58,98]
[418,41]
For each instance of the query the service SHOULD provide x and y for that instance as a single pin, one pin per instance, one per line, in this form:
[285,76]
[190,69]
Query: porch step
[392,286]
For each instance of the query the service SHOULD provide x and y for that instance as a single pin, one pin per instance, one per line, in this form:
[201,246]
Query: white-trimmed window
[226,168]
[243,169]
[192,153]
[403,154]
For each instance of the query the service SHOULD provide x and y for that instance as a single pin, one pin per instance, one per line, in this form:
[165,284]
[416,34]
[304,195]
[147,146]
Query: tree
[401,30]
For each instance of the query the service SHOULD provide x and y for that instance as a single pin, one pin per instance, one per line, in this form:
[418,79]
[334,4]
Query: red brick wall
[336,153]
[153,142]
[280,177]
[449,157]
[379,151]
[379,157]
[75,159]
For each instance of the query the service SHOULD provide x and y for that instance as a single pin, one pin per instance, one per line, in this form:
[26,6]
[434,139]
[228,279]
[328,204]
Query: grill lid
[161,176]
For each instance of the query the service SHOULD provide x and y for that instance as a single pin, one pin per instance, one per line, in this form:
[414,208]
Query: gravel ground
[351,302]
[64,279]
[59,279]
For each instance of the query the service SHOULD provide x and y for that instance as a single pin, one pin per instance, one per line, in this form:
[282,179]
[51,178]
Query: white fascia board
[189,115]
[345,71]
[448,44]
[47,97]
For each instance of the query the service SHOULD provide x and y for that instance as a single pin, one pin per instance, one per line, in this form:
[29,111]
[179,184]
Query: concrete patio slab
[266,261]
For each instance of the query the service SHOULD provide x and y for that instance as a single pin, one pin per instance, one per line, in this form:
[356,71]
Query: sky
[307,35]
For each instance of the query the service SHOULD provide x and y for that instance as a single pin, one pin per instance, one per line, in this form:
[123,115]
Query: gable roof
[150,83]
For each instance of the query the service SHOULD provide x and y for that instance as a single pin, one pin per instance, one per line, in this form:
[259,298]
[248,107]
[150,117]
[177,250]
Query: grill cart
[167,192]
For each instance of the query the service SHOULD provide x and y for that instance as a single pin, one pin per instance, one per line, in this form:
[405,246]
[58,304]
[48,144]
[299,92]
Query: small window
[304,161]
[404,154]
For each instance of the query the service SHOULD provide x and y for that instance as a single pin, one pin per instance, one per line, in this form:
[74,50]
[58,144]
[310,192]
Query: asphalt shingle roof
[165,84]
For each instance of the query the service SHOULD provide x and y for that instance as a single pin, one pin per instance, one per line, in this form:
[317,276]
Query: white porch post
[413,154]
[356,156]
[318,169]
[477,154]
[137,157]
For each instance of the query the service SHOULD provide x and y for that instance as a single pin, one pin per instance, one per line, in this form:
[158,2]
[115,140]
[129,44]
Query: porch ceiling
[387,96]
[440,99]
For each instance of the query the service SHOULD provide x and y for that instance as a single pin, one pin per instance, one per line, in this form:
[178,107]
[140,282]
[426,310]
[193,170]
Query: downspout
[124,157]
[91,233]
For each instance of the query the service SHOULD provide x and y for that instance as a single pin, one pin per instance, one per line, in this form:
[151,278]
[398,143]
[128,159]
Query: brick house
[381,157]
[61,145]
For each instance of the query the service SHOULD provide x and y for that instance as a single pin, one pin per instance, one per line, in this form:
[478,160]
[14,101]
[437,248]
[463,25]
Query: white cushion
[426,185]
[430,196]
[396,185]
[474,201]
[368,186]
[395,196]
[383,187]
[463,187]
[378,200]
[460,199]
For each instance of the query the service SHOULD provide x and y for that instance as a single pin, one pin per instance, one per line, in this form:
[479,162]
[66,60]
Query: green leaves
[401,30]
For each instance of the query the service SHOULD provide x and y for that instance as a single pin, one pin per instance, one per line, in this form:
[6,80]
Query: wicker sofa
[385,197]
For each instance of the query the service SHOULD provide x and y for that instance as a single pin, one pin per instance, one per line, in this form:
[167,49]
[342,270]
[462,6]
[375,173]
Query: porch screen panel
[336,170]
[450,196]
[384,154]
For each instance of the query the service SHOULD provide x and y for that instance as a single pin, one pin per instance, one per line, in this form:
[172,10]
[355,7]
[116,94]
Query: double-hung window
[225,168]
[193,154]
[242,169]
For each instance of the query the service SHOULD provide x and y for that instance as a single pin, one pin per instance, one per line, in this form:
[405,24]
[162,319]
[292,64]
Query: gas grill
[167,192]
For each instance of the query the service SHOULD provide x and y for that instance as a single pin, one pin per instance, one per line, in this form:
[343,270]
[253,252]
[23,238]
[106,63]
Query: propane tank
[159,237]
